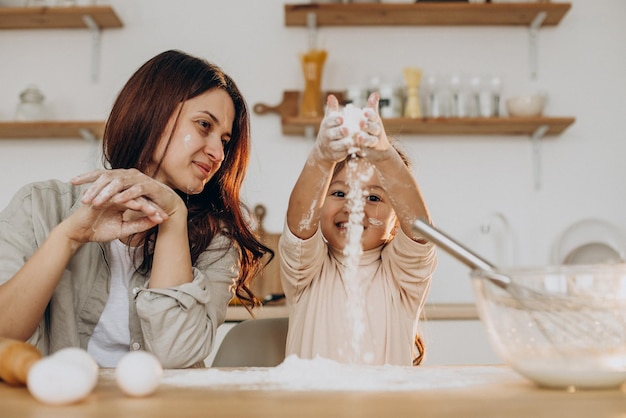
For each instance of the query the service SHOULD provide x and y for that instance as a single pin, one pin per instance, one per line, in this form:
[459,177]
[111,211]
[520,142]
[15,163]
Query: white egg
[57,382]
[83,359]
[138,373]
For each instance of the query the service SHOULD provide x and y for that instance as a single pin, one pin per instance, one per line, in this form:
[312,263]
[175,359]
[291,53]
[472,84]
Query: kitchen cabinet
[92,18]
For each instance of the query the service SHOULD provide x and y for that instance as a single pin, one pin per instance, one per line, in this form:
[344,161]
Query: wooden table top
[455,392]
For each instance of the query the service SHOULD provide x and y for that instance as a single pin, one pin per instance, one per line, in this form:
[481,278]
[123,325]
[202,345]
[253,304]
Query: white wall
[464,179]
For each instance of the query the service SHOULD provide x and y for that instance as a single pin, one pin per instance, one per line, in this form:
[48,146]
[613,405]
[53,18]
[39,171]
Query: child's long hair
[137,122]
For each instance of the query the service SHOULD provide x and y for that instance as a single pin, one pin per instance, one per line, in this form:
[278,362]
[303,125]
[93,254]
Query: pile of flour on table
[319,374]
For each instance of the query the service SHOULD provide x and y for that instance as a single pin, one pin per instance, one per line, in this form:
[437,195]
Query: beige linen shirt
[394,280]
[177,324]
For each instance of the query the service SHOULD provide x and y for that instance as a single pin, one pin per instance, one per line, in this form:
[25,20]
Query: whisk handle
[452,247]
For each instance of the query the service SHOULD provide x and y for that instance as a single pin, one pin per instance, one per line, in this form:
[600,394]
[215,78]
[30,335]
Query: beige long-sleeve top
[393,282]
[177,324]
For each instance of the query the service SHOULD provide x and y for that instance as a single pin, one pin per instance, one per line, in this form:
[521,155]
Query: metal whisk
[574,316]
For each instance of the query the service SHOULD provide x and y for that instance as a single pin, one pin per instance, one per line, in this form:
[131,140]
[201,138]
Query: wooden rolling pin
[16,359]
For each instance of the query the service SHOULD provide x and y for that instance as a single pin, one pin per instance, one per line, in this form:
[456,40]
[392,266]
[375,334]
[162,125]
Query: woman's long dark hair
[137,122]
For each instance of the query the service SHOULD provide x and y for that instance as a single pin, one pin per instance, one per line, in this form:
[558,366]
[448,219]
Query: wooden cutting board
[267,283]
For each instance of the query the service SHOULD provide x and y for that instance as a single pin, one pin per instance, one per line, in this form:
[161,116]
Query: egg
[57,382]
[81,358]
[138,373]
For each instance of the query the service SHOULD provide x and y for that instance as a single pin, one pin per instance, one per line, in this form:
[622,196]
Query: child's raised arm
[395,175]
[309,192]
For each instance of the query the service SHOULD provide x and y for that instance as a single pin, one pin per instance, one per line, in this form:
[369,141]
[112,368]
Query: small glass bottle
[31,106]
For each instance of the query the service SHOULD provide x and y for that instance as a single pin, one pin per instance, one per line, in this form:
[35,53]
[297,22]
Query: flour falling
[358,172]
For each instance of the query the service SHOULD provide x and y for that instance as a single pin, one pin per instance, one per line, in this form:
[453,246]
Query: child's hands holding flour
[352,131]
[372,139]
[333,143]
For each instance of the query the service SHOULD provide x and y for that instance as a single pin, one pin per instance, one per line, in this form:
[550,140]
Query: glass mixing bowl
[559,326]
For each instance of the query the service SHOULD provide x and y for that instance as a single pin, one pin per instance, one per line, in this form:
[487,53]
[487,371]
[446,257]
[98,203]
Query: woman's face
[378,221]
[196,149]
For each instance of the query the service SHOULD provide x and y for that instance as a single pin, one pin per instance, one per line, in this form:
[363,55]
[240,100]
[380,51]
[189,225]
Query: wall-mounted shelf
[57,17]
[93,18]
[52,129]
[292,124]
[425,13]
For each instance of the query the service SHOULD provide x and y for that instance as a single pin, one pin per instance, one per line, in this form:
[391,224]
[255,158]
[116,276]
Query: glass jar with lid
[31,106]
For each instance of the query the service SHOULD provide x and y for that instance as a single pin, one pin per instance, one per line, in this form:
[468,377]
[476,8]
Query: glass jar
[31,106]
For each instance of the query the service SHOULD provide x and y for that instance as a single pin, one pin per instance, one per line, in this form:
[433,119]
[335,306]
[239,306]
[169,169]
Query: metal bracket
[536,142]
[533,34]
[309,133]
[95,48]
[87,135]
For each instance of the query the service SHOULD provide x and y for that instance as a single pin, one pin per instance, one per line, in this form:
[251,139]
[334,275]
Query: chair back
[253,343]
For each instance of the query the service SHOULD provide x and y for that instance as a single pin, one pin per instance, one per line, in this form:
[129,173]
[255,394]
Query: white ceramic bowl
[526,106]
[572,334]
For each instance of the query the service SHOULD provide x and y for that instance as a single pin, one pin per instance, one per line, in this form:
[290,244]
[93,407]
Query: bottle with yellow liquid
[311,105]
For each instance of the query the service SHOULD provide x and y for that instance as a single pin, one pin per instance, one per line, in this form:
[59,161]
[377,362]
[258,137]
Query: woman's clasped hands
[119,203]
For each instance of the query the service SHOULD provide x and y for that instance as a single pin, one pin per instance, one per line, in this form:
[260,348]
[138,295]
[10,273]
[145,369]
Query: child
[395,268]
[143,255]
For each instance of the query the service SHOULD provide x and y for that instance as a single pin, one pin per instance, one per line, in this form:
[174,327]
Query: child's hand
[372,139]
[333,143]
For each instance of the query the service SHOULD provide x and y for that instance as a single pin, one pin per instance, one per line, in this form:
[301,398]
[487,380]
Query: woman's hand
[333,143]
[119,203]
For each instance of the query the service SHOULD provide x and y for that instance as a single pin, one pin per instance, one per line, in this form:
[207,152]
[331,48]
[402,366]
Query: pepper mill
[412,77]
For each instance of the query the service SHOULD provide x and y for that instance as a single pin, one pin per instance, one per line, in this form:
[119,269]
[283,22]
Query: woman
[145,254]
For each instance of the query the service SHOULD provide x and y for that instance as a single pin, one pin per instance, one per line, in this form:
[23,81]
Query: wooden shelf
[57,17]
[292,124]
[424,14]
[51,129]
[450,126]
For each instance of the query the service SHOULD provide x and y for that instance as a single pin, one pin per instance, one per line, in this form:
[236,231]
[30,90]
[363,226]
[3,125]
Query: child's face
[196,150]
[379,219]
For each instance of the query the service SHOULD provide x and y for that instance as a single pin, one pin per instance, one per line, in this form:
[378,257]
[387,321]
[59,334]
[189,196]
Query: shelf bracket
[536,142]
[533,34]
[95,47]
[309,133]
[87,135]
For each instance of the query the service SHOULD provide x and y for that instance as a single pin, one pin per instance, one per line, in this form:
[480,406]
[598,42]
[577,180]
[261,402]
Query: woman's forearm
[171,265]
[24,298]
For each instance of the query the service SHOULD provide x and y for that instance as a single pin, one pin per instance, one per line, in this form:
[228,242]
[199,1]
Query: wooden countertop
[473,391]
[432,311]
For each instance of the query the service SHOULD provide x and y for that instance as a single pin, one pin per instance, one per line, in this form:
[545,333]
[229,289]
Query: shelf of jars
[426,13]
[293,124]
[69,17]
[51,129]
